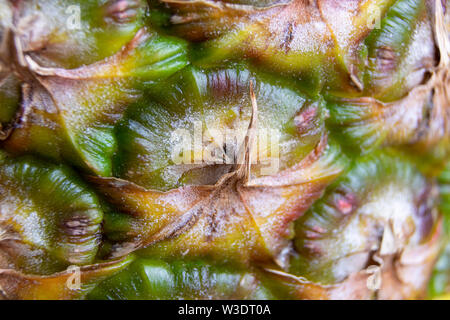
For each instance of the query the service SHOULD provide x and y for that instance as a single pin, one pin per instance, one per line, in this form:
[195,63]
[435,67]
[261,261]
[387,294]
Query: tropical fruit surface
[233,149]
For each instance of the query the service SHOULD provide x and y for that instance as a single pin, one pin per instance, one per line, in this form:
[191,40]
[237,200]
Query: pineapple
[233,149]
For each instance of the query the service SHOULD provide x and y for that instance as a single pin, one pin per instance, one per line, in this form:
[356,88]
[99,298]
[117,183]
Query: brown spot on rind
[305,118]
[346,204]
[288,37]
[121,11]
[76,226]
[386,58]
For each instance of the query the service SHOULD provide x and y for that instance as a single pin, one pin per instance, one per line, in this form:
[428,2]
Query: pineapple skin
[355,94]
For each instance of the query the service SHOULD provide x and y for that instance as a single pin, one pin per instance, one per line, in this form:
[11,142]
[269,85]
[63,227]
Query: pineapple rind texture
[116,161]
